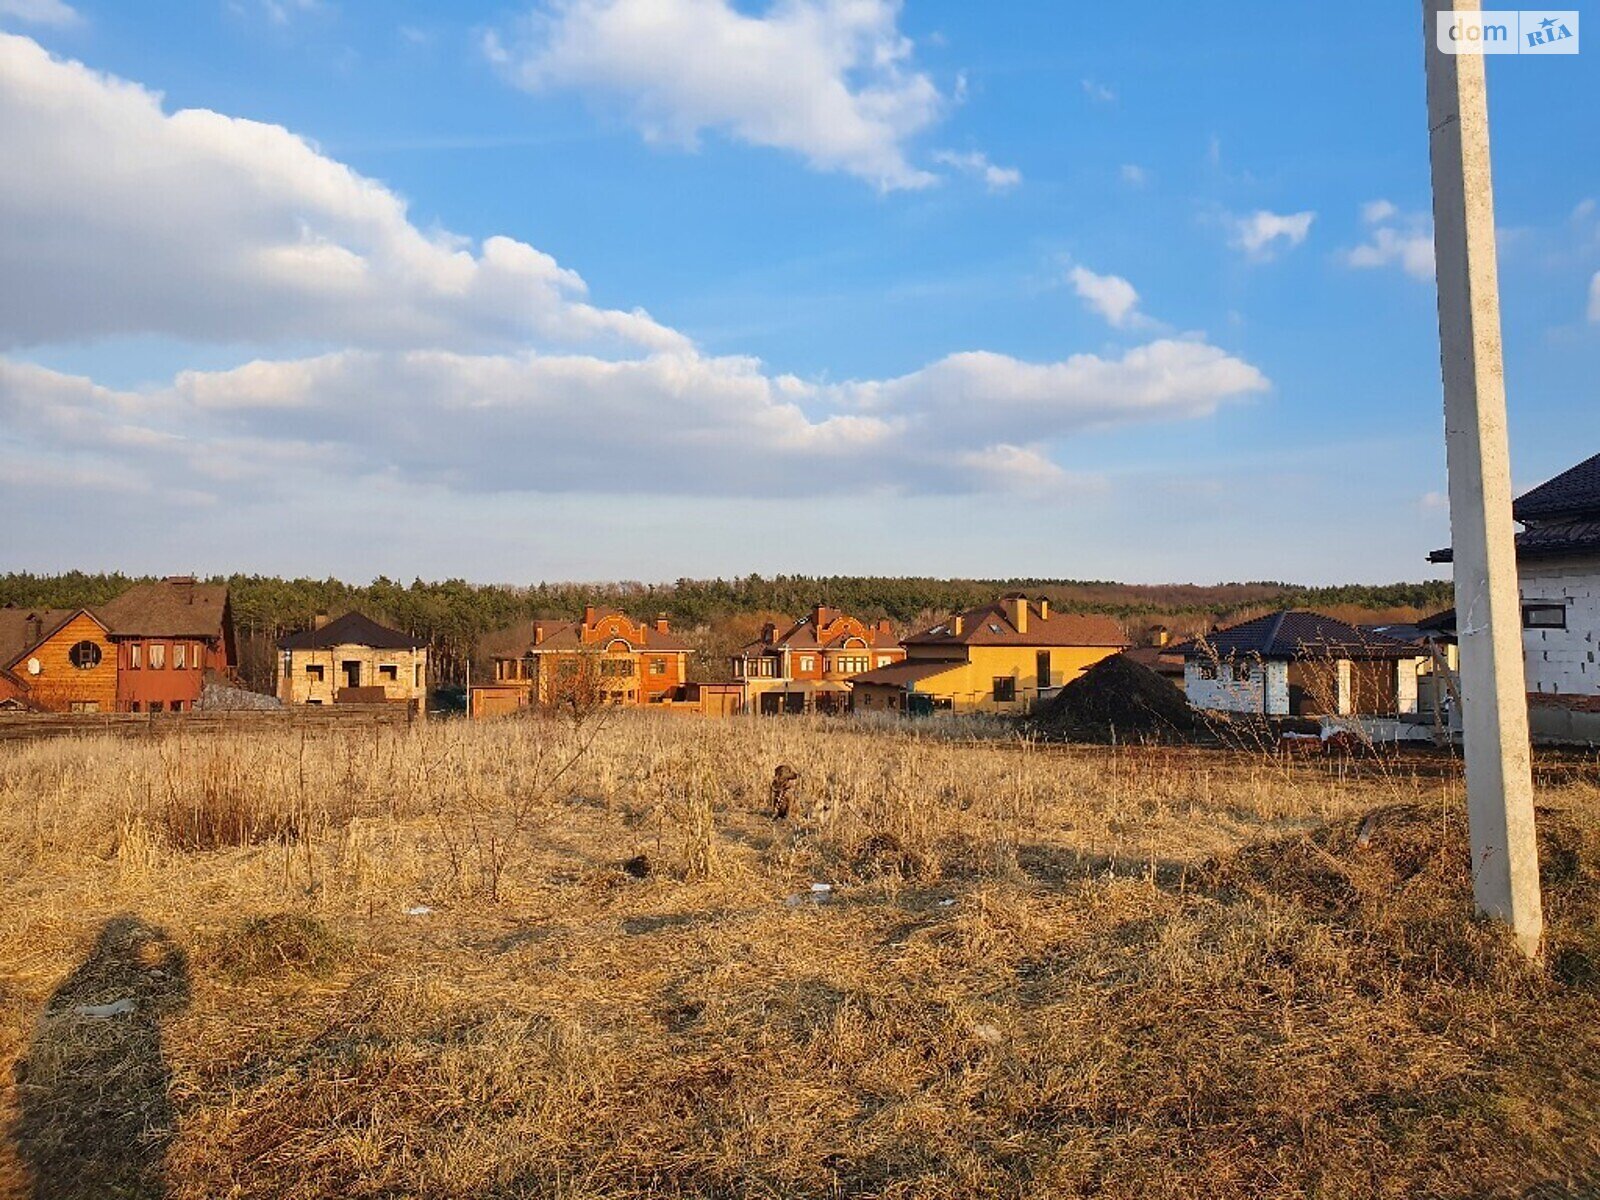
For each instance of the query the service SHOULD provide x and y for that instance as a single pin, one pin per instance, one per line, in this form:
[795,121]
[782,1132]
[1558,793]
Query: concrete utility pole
[1505,859]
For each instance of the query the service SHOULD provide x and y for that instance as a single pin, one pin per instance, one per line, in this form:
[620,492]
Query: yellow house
[353,660]
[997,658]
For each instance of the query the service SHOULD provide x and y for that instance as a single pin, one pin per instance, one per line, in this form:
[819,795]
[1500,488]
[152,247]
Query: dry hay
[1147,973]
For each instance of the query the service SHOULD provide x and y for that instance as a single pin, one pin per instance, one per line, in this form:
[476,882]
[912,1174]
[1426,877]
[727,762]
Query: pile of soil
[1118,698]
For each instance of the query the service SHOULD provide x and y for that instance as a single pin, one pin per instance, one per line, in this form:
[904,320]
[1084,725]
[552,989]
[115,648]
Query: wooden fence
[27,727]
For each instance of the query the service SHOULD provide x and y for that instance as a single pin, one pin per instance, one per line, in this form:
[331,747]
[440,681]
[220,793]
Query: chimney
[588,614]
[321,619]
[957,624]
[661,622]
[885,627]
[35,624]
[1159,635]
[769,633]
[819,615]
[538,632]
[1019,611]
[1044,608]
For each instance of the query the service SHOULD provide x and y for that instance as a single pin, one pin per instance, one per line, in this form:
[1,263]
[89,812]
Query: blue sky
[650,288]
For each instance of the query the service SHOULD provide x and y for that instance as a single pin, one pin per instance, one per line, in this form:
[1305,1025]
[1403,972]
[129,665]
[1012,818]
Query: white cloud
[1099,93]
[1134,174]
[535,423]
[1112,296]
[977,164]
[1260,233]
[469,370]
[830,80]
[1594,297]
[119,218]
[1394,239]
[41,12]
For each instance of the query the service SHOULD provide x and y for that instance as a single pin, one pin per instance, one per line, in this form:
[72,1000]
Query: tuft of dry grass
[1037,971]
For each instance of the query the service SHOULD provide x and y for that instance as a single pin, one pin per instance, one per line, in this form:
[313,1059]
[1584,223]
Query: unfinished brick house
[1558,572]
[353,660]
[1302,664]
[605,657]
[807,666]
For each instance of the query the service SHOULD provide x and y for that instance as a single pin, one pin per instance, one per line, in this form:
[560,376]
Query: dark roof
[352,629]
[171,608]
[1159,659]
[1571,493]
[1294,634]
[1547,539]
[904,674]
[23,628]
[991,625]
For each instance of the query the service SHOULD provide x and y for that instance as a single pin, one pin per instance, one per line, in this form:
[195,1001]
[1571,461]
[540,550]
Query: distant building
[63,658]
[807,666]
[353,660]
[167,636]
[1298,663]
[606,657]
[1000,657]
[1558,572]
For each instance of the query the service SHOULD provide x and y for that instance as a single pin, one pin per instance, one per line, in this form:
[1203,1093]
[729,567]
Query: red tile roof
[992,625]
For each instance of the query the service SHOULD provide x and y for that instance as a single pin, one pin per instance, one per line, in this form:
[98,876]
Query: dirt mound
[1118,698]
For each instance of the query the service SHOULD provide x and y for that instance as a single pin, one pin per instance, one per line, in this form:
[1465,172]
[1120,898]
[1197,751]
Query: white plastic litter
[418,910]
[821,889]
[947,902]
[987,1034]
[117,1008]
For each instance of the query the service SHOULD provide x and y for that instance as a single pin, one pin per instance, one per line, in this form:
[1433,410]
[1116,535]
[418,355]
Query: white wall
[1266,690]
[1563,661]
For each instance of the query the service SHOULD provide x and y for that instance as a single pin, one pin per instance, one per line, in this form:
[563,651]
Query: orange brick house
[806,667]
[64,659]
[606,655]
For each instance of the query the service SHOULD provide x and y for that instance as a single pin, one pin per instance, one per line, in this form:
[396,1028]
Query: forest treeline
[714,614]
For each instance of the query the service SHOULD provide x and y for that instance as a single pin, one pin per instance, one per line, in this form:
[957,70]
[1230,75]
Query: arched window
[84,655]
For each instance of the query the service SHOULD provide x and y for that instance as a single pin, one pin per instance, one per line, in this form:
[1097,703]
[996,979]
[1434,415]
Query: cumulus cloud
[40,12]
[1099,93]
[977,164]
[474,370]
[1134,175]
[1261,234]
[1112,296]
[121,218]
[1394,238]
[830,80]
[539,423]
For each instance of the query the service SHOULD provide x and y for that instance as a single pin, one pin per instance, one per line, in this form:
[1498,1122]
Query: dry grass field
[528,959]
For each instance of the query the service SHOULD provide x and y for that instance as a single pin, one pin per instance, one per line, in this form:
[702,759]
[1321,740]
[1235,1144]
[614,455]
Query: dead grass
[1040,972]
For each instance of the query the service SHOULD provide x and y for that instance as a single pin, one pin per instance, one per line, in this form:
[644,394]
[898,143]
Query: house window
[1042,668]
[177,706]
[616,667]
[1005,688]
[180,656]
[156,706]
[416,675]
[84,655]
[1241,672]
[658,666]
[158,656]
[134,707]
[884,660]
[135,657]
[314,672]
[1544,616]
[318,703]
[808,662]
[1208,670]
[84,706]
[388,673]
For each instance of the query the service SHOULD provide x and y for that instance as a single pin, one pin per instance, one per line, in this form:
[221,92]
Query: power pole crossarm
[1494,704]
